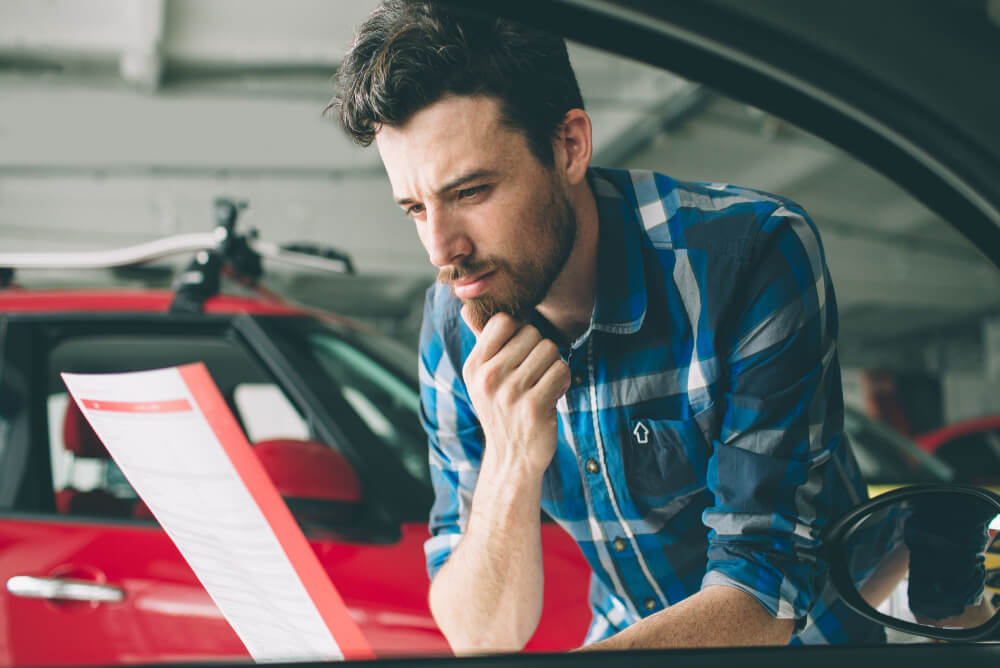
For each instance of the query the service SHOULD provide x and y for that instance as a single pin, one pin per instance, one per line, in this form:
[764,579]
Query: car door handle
[63,589]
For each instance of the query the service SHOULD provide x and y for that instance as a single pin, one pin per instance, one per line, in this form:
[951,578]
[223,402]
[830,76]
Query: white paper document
[176,441]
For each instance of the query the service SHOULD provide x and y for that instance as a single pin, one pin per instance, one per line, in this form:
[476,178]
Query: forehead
[456,134]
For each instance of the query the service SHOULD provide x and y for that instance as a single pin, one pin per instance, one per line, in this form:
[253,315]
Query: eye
[466,193]
[414,210]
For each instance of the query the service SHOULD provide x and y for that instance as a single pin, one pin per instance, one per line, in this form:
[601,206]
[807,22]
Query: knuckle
[489,377]
[562,374]
[502,320]
[549,348]
[505,395]
[532,331]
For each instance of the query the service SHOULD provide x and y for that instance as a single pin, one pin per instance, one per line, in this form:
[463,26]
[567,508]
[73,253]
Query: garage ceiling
[121,120]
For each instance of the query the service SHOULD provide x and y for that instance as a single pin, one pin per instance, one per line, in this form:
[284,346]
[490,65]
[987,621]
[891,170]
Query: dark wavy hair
[409,54]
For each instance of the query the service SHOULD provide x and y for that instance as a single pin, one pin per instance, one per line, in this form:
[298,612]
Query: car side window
[266,413]
[15,388]
[85,480]
[386,404]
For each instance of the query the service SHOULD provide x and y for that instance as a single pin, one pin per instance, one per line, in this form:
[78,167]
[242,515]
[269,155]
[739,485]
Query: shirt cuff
[437,549]
[780,606]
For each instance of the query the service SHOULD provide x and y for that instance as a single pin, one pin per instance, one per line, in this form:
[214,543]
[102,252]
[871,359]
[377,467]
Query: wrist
[522,454]
[515,469]
[508,490]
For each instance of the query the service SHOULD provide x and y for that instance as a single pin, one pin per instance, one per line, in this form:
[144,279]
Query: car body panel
[126,301]
[932,440]
[167,616]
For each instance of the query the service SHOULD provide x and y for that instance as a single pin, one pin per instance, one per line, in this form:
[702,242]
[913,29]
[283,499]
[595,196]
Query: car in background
[888,459]
[331,409]
[970,447]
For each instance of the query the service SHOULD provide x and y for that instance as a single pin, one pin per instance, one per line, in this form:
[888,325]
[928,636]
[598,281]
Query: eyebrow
[461,180]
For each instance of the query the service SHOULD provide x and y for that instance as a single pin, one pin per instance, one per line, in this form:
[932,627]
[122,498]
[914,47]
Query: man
[652,363]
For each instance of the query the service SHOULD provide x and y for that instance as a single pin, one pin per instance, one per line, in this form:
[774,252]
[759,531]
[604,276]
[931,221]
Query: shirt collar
[620,298]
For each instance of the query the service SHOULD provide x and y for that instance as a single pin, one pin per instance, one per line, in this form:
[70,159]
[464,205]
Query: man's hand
[488,595]
[515,377]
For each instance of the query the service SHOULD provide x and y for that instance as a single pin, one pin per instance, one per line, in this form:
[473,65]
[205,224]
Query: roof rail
[220,251]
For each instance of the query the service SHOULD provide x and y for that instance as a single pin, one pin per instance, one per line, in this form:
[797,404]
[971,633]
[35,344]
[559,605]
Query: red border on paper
[170,406]
[317,582]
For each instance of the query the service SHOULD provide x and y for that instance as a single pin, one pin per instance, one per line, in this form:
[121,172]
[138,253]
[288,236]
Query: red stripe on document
[171,406]
[317,582]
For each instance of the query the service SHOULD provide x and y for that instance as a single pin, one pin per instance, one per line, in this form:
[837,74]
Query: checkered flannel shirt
[701,440]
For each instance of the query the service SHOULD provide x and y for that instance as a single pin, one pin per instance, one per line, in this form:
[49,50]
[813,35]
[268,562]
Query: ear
[574,146]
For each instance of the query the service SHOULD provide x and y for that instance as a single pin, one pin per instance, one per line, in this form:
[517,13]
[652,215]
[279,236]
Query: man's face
[496,222]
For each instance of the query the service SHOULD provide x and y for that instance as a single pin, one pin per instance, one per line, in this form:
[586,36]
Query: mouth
[472,286]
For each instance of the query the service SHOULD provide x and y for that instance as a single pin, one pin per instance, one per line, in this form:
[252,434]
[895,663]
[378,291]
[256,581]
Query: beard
[529,276]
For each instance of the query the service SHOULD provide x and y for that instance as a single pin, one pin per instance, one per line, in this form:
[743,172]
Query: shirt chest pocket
[667,457]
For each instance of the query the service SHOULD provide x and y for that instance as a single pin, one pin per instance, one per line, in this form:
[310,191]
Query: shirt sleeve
[776,468]
[455,442]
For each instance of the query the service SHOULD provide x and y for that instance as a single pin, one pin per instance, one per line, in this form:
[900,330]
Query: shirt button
[649,603]
[619,544]
[578,380]
[592,465]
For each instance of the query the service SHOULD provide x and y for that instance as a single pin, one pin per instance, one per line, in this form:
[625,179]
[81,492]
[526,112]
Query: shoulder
[718,219]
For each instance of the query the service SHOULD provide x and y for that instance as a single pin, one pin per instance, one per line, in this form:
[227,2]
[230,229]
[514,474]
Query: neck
[569,303]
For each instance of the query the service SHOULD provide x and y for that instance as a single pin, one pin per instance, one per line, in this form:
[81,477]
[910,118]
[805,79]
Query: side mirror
[920,560]
[323,492]
[309,471]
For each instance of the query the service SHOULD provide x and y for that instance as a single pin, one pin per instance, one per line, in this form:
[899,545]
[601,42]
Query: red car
[970,447]
[332,411]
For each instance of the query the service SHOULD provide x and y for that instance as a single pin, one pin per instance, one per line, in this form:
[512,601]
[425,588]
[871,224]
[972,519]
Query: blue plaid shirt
[703,424]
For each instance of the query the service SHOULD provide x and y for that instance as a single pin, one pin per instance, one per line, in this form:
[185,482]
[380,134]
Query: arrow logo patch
[641,433]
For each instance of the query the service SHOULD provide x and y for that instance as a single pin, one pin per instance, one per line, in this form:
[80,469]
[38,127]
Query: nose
[445,238]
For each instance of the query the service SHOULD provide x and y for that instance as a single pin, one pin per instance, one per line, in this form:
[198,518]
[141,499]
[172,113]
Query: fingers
[517,349]
[511,354]
[494,336]
[544,353]
[553,383]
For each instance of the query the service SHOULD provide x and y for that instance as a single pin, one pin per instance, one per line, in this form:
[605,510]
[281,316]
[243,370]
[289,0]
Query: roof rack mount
[218,251]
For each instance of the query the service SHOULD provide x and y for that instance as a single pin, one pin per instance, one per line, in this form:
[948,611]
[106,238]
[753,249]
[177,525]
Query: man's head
[409,54]
[480,126]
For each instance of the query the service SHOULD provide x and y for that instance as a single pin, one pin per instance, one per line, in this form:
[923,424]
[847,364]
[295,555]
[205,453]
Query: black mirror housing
[934,538]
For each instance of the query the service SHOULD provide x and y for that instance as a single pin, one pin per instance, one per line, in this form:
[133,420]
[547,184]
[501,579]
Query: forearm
[488,596]
[717,616]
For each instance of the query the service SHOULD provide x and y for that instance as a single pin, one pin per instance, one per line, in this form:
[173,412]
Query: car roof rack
[221,252]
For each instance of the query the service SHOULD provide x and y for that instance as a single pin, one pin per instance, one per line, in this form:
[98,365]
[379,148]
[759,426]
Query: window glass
[68,470]
[387,404]
[85,480]
[267,413]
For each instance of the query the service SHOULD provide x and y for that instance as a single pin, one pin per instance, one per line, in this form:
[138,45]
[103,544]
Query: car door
[83,555]
[89,576]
